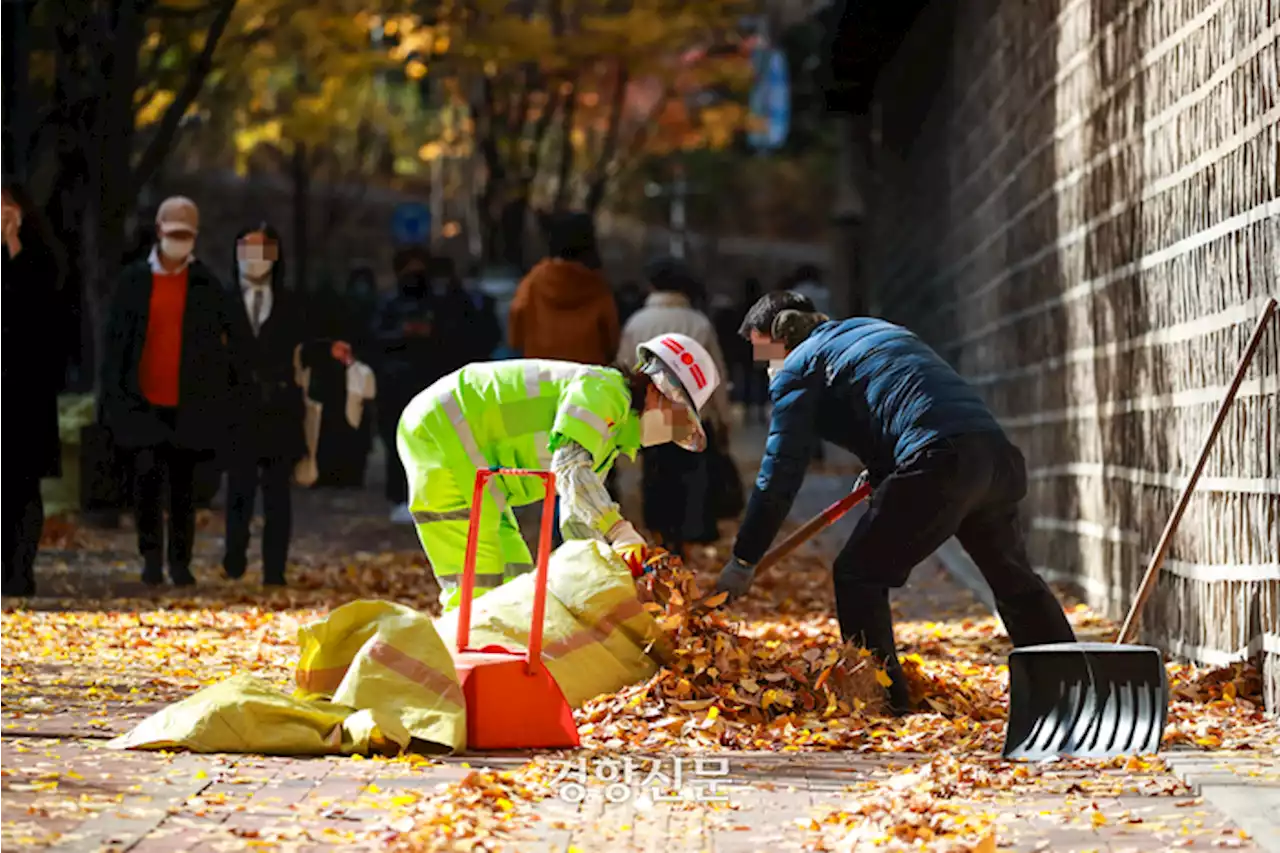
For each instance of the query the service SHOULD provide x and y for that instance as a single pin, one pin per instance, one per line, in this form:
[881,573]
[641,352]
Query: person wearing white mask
[167,376]
[266,437]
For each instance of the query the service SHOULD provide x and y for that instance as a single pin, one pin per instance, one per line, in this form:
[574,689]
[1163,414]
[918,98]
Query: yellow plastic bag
[246,714]
[597,634]
[373,677]
[385,656]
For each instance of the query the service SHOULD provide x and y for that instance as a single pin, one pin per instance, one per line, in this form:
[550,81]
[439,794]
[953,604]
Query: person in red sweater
[167,378]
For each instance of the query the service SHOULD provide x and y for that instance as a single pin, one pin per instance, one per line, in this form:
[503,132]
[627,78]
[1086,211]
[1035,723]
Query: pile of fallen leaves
[1236,682]
[725,687]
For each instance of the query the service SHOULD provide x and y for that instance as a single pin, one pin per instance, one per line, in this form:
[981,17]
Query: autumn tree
[101,90]
[319,102]
[562,94]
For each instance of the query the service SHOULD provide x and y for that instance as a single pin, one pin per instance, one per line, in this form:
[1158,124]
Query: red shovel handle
[534,653]
[814,526]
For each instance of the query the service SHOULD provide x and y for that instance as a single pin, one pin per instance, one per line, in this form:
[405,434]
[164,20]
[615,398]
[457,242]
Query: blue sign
[411,223]
[771,99]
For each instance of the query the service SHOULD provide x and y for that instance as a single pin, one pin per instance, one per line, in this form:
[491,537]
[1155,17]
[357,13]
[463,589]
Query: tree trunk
[599,184]
[19,118]
[112,191]
[301,168]
[566,148]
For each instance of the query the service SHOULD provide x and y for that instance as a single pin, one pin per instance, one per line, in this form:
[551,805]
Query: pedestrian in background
[630,300]
[34,370]
[167,376]
[459,339]
[266,438]
[564,309]
[750,379]
[677,482]
[485,331]
[406,359]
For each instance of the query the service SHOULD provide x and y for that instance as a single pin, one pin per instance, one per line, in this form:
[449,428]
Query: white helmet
[685,373]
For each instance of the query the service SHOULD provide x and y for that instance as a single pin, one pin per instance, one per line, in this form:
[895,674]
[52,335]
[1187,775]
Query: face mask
[177,248]
[775,365]
[255,268]
[655,428]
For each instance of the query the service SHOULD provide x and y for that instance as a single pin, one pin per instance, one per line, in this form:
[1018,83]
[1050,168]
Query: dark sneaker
[233,569]
[273,579]
[152,575]
[181,576]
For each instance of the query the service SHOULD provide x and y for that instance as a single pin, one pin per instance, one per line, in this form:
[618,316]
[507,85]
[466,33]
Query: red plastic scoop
[512,700]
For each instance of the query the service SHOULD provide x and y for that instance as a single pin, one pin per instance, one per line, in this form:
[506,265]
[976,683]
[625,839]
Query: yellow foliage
[153,110]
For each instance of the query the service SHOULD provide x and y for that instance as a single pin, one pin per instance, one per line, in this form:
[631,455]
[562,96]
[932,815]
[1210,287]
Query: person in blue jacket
[937,460]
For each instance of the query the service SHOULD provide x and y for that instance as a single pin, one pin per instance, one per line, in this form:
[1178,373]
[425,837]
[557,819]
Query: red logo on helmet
[699,377]
[687,359]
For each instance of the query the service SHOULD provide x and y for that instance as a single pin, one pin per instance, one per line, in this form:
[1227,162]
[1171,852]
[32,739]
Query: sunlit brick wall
[1078,204]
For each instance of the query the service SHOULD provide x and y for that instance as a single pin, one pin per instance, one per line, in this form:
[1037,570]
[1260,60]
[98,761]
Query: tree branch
[600,174]
[161,141]
[566,147]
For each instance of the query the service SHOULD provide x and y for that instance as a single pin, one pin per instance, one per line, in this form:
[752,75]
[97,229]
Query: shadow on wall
[915,94]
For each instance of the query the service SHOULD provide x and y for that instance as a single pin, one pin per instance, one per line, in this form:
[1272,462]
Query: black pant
[243,480]
[153,466]
[674,494]
[23,522]
[968,487]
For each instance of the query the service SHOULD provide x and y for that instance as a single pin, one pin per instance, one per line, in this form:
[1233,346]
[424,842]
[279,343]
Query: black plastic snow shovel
[1098,700]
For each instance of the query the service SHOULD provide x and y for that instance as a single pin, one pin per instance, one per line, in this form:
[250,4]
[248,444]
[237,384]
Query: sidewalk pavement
[62,790]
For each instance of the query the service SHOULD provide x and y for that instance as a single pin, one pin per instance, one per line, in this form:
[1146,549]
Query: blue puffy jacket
[863,384]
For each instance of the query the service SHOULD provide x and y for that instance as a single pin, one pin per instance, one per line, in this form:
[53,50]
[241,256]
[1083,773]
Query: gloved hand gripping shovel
[512,700]
[1099,700]
[810,529]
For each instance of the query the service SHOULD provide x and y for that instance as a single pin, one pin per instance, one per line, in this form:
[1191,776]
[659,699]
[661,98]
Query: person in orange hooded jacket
[564,308]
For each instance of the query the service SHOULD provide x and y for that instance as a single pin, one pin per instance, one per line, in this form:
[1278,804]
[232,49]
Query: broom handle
[814,526]
[1148,584]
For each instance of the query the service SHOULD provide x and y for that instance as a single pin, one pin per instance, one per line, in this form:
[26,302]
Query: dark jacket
[863,384]
[206,375]
[484,330]
[418,338]
[34,361]
[267,407]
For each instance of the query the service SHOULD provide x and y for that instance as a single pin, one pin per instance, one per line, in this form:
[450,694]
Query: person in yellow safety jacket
[572,419]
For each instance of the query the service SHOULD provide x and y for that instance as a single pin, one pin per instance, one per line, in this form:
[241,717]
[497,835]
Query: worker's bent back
[508,414]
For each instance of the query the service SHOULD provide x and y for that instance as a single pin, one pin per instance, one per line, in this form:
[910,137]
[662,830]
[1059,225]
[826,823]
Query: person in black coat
[406,358]
[266,435]
[34,366]
[167,376]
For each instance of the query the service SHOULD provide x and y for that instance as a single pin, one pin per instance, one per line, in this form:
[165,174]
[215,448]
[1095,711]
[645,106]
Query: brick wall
[1078,203]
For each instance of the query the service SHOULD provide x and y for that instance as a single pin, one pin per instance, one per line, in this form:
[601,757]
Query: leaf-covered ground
[811,765]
